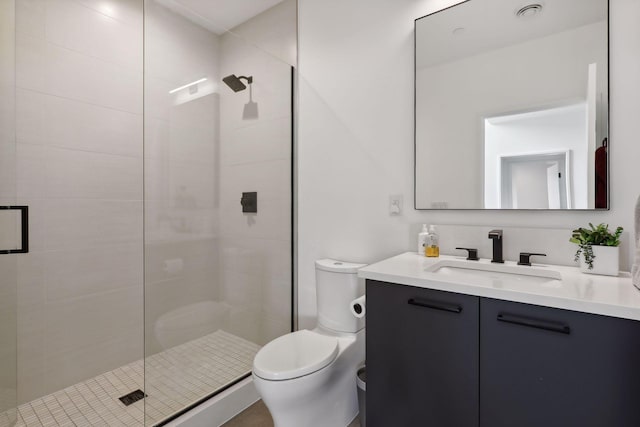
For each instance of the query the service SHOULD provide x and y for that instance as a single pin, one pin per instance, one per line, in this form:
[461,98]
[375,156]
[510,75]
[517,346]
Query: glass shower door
[9,221]
[218,196]
[71,149]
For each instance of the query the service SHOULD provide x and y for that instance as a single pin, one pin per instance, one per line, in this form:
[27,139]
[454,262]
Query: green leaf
[594,235]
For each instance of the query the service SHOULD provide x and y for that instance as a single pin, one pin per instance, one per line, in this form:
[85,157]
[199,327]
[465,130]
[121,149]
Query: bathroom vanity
[463,343]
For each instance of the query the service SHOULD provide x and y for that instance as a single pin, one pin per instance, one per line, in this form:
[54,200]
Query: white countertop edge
[393,270]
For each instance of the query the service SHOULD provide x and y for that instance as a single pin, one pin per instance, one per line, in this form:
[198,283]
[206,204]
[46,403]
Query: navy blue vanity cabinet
[548,367]
[422,357]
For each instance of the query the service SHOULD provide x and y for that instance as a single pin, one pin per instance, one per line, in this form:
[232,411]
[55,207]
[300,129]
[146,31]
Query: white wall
[452,103]
[356,136]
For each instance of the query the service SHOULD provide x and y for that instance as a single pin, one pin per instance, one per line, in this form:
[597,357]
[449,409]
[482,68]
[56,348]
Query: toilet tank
[337,284]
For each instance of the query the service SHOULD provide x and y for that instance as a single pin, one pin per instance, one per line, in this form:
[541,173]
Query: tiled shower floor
[176,378]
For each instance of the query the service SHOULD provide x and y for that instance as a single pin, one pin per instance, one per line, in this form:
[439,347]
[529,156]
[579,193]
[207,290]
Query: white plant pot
[606,261]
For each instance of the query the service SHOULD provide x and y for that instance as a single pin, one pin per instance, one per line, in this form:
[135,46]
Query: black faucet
[525,258]
[496,236]
[473,254]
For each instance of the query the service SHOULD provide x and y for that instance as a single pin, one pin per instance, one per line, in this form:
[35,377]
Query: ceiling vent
[529,10]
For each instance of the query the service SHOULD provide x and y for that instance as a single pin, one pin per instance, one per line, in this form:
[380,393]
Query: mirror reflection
[512,106]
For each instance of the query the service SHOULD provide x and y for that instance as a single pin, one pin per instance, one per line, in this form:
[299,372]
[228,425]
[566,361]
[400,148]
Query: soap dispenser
[422,240]
[432,245]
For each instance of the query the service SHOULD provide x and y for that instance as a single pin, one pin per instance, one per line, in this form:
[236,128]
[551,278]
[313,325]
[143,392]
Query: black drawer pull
[437,305]
[24,218]
[547,325]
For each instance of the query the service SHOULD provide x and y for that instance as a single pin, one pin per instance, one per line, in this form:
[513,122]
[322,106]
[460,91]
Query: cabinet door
[422,357]
[556,368]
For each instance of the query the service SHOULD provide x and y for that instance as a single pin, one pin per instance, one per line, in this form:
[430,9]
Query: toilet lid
[295,355]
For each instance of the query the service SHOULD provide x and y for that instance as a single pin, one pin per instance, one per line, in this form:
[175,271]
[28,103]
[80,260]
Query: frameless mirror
[511,106]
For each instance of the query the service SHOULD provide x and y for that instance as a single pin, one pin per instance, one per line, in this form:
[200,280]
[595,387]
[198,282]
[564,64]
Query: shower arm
[248,79]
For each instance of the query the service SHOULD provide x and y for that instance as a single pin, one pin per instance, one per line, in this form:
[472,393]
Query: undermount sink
[501,272]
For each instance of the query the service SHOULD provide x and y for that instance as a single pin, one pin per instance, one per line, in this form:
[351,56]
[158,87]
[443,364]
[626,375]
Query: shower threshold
[175,379]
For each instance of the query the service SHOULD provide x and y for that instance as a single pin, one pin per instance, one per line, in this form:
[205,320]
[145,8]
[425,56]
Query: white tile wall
[81,272]
[80,161]
[79,168]
[8,320]
[103,37]
[258,142]
[48,68]
[125,11]
[45,172]
[256,156]
[181,163]
[273,32]
[31,17]
[74,223]
[199,147]
[178,51]
[58,122]
[7,169]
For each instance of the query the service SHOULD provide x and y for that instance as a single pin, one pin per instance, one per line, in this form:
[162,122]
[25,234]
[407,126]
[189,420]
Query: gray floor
[257,415]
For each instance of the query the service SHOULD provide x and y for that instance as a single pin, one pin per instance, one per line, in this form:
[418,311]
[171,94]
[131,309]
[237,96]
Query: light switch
[395,205]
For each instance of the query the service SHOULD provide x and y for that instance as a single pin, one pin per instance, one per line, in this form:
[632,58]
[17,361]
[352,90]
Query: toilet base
[326,398]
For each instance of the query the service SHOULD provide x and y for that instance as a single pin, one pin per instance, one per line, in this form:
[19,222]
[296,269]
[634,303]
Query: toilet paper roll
[358,307]
[173,266]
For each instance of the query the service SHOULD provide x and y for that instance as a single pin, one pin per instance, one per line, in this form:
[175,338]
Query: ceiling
[219,16]
[492,24]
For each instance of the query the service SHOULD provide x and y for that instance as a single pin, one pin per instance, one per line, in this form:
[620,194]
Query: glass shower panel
[218,120]
[78,151]
[8,231]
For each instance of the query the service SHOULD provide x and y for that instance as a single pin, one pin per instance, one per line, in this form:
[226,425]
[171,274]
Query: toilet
[308,378]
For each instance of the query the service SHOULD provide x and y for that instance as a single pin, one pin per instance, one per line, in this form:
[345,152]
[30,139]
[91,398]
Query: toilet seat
[295,355]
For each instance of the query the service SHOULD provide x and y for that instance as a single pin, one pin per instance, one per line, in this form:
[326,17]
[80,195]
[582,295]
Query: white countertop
[588,293]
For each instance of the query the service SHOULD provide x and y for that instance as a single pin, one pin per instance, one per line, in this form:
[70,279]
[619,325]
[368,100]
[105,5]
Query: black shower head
[235,84]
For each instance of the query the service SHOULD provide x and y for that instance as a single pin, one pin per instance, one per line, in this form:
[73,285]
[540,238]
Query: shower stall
[145,203]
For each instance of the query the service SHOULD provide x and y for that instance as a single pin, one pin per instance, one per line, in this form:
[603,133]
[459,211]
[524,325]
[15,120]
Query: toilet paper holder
[358,307]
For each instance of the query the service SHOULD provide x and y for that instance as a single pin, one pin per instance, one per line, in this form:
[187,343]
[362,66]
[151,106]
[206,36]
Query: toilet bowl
[308,378]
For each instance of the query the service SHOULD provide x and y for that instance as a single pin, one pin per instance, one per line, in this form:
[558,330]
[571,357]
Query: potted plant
[599,249]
